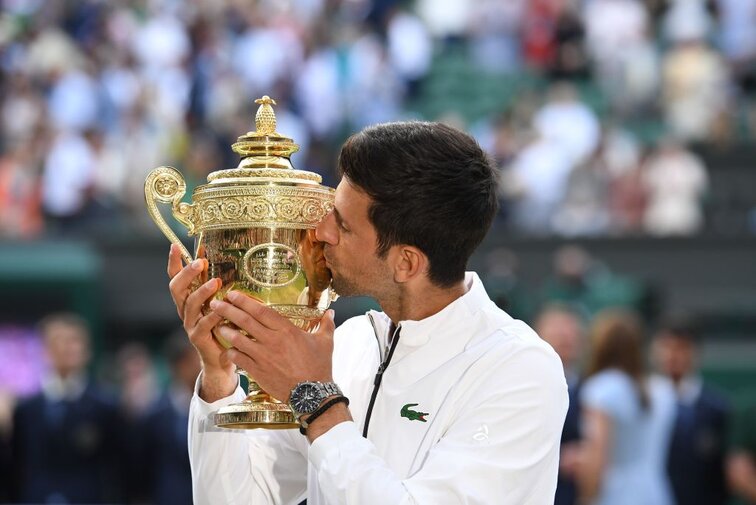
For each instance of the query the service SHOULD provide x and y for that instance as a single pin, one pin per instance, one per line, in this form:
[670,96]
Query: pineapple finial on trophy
[264,147]
[265,119]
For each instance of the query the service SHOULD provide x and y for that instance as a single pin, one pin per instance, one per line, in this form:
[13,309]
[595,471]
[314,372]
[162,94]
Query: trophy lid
[265,154]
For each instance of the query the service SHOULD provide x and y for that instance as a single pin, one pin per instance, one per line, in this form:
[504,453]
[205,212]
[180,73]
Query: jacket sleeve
[243,466]
[501,446]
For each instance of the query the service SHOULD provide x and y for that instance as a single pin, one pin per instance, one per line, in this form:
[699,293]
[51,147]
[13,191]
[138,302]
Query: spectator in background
[696,462]
[64,443]
[67,181]
[570,58]
[449,23]
[584,211]
[618,40]
[737,39]
[566,120]
[627,194]
[675,181]
[585,283]
[137,380]
[627,419]
[506,289]
[563,329]
[695,78]
[167,477]
[495,34]
[139,391]
[20,209]
[409,48]
[535,183]
[741,463]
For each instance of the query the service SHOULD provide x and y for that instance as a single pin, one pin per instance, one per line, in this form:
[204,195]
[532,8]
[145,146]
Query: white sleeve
[501,447]
[243,466]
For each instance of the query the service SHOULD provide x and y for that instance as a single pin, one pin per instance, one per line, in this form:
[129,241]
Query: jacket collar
[415,334]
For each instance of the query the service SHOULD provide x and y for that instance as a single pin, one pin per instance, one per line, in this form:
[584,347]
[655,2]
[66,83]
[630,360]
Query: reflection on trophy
[255,224]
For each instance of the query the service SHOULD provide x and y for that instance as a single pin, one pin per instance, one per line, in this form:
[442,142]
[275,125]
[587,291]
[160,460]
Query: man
[563,328]
[162,461]
[64,438]
[696,462]
[741,463]
[451,400]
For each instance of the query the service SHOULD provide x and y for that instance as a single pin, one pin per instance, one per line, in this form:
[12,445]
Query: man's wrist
[337,414]
[216,384]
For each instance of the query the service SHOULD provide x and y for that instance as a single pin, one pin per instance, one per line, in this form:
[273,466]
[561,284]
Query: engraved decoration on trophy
[255,225]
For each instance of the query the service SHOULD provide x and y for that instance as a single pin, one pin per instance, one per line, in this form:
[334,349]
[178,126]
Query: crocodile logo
[413,415]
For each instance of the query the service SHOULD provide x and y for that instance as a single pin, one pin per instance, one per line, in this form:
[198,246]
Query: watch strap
[305,423]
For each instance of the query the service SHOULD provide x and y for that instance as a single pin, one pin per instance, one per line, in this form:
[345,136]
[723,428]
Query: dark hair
[432,187]
[680,326]
[617,338]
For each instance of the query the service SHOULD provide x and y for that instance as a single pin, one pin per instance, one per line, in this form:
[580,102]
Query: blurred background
[623,131]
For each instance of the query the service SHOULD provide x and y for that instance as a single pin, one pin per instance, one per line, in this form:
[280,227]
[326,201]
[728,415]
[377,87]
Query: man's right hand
[218,377]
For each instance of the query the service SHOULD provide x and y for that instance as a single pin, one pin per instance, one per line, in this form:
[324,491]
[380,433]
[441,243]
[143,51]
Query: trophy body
[255,225]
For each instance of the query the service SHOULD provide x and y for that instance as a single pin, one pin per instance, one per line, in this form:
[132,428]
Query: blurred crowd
[643,426]
[75,438]
[94,94]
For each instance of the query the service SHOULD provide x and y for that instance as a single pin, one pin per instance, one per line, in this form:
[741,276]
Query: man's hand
[218,378]
[279,355]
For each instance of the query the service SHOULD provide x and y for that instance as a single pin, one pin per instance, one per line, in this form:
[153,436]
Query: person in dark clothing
[697,452]
[167,475]
[563,328]
[64,442]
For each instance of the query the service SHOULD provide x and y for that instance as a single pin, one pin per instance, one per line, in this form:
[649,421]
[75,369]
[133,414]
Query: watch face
[306,398]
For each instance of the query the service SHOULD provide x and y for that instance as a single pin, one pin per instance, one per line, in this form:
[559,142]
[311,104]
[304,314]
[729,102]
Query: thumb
[327,324]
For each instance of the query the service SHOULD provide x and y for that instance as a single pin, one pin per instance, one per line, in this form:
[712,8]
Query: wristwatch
[306,397]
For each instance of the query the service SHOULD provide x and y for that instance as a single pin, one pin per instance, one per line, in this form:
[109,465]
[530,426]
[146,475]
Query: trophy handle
[167,185]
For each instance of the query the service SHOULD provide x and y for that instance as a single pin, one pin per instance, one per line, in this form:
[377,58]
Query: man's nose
[326,230]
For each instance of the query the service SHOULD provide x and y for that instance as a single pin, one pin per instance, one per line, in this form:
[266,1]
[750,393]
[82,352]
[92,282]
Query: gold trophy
[255,224]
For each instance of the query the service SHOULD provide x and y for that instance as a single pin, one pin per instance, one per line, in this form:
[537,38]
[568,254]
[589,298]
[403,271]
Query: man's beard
[344,287]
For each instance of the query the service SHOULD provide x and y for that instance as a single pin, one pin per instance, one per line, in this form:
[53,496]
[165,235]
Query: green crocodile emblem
[413,415]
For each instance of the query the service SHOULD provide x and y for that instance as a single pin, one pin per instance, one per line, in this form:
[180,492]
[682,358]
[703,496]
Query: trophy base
[253,413]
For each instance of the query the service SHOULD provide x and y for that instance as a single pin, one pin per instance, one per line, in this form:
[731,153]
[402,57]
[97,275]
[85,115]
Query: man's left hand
[279,355]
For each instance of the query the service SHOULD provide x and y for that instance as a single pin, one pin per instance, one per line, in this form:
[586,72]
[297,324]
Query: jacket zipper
[379,374]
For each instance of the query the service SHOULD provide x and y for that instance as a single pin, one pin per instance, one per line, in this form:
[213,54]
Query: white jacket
[495,398]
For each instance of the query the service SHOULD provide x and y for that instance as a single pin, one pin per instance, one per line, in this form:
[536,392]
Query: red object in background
[538,32]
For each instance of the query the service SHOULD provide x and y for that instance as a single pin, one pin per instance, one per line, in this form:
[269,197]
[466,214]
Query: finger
[181,282]
[327,324]
[187,274]
[203,329]
[246,344]
[260,312]
[193,304]
[174,261]
[240,359]
[243,320]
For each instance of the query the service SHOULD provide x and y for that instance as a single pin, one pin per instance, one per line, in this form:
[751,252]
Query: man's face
[675,355]
[350,245]
[563,331]
[67,348]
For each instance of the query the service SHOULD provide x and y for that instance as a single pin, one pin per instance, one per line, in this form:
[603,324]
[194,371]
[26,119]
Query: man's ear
[409,263]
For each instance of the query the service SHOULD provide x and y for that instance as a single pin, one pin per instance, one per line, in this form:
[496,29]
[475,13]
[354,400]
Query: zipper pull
[378,374]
